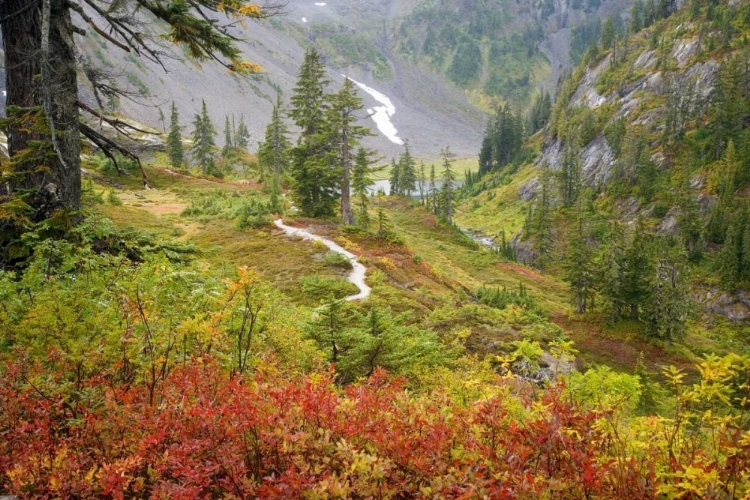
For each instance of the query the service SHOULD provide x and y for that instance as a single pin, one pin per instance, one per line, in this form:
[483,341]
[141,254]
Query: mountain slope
[660,126]
[370,41]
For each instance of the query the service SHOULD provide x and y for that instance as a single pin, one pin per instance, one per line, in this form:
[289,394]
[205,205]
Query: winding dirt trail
[357,274]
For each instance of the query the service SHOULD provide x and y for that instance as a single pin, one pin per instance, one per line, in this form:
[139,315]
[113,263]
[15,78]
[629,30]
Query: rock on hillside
[642,98]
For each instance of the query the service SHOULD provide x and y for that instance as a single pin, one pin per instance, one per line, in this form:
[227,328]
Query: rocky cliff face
[643,99]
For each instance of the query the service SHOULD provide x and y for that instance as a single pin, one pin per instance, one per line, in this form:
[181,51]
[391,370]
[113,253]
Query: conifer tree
[689,221]
[316,176]
[273,152]
[174,140]
[570,173]
[446,192]
[734,259]
[344,136]
[611,263]
[42,43]
[667,303]
[361,182]
[407,171]
[422,182]
[203,141]
[725,187]
[228,148]
[579,263]
[542,222]
[638,270]
[609,33]
[395,178]
[647,401]
[242,135]
[433,190]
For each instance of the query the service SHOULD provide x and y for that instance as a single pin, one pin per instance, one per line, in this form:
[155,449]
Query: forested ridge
[161,337]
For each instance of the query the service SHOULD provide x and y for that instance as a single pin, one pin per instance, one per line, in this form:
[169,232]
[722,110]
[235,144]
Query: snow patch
[320,4]
[381,115]
[304,19]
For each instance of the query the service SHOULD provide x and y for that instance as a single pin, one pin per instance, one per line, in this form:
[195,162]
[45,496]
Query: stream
[480,238]
[357,274]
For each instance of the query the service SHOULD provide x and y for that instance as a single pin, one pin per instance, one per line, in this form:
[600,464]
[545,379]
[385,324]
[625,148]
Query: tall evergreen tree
[734,259]
[408,171]
[638,270]
[667,304]
[316,176]
[42,71]
[609,33]
[433,191]
[422,182]
[273,152]
[725,186]
[395,178]
[447,191]
[361,182]
[570,173]
[542,220]
[344,136]
[689,221]
[611,263]
[579,263]
[203,141]
[174,140]
[242,135]
[228,148]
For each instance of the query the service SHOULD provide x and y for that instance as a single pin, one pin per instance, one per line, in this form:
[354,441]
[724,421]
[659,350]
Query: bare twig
[107,145]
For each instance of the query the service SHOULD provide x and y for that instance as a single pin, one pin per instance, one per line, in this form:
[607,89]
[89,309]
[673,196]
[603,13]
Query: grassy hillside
[652,131]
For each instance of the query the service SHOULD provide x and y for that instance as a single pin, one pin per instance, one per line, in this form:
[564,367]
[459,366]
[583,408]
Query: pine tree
[570,173]
[228,148]
[395,179]
[42,42]
[636,16]
[689,221]
[667,302]
[242,135]
[542,223]
[344,136]
[734,259]
[308,101]
[647,401]
[316,176]
[433,191]
[407,171]
[638,270]
[725,187]
[446,192]
[273,152]
[203,141]
[422,181]
[361,182]
[611,263]
[329,330]
[174,140]
[579,263]
[609,33]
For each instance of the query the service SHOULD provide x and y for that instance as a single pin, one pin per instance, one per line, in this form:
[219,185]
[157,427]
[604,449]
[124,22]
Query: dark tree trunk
[51,183]
[346,204]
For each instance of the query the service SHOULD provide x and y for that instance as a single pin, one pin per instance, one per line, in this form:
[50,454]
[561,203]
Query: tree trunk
[53,180]
[346,204]
[634,312]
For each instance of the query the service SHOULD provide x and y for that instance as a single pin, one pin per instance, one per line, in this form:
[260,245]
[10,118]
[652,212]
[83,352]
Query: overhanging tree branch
[107,145]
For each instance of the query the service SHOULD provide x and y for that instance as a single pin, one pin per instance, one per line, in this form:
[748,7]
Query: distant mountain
[441,65]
